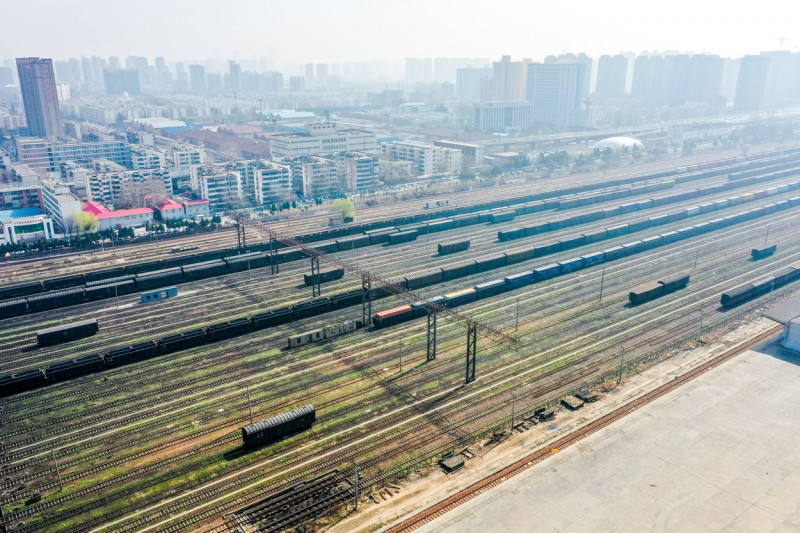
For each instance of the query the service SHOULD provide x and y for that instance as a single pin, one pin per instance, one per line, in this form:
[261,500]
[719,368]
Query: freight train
[276,427]
[761,285]
[309,308]
[655,289]
[358,235]
[324,333]
[128,283]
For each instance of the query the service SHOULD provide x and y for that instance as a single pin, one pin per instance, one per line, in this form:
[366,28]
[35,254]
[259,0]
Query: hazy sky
[299,31]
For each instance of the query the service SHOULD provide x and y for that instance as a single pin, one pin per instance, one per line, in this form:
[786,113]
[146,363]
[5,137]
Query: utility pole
[700,331]
[431,333]
[513,408]
[472,346]
[621,365]
[249,404]
[516,324]
[400,354]
[766,236]
[602,282]
[355,481]
[696,257]
[58,472]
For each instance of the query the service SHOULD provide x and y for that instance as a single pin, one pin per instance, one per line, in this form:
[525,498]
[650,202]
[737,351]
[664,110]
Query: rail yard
[256,397]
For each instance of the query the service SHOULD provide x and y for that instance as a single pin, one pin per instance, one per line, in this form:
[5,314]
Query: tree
[345,207]
[86,222]
[132,194]
[69,226]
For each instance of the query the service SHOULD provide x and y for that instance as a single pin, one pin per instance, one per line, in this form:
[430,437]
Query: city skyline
[239,31]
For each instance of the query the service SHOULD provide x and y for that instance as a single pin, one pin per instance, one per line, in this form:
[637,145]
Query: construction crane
[369,278]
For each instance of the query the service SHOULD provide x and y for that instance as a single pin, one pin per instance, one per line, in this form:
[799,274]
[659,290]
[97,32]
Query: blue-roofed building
[24,224]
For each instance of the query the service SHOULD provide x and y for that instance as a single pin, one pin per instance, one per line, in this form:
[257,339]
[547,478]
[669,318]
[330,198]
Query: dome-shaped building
[617,143]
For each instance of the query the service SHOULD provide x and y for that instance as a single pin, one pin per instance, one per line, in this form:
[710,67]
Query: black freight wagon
[66,332]
[325,275]
[276,427]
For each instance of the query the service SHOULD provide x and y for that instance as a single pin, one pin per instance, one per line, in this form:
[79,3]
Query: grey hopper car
[274,428]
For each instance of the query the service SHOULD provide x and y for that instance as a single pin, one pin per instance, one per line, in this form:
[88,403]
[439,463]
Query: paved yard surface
[721,453]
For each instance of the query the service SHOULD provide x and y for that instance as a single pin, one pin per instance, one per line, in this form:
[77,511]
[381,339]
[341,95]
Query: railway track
[574,297]
[522,267]
[151,318]
[463,496]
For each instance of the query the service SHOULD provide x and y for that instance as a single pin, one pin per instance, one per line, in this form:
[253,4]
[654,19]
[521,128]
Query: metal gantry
[431,334]
[241,240]
[371,281]
[366,299]
[316,279]
[472,347]
[273,253]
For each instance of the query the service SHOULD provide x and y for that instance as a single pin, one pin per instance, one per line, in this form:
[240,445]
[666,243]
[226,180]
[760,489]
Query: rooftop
[20,213]
[125,212]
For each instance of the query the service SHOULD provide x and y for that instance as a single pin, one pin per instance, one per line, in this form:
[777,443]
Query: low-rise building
[26,224]
[123,218]
[219,183]
[359,171]
[60,204]
[147,157]
[272,182]
[503,117]
[314,176]
[184,155]
[472,154]
[43,155]
[426,159]
[322,138]
[182,209]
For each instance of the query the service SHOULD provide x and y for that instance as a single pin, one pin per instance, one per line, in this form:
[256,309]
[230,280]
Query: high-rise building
[75,70]
[88,71]
[297,84]
[235,75]
[197,73]
[557,91]
[427,70]
[752,83]
[612,71]
[581,58]
[503,117]
[309,74]
[213,83]
[98,64]
[470,83]
[413,70]
[322,75]
[38,85]
[119,81]
[6,76]
[703,79]
[509,79]
[783,78]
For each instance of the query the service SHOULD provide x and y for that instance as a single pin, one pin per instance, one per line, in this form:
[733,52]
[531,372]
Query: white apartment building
[59,203]
[426,159]
[218,183]
[147,157]
[184,155]
[314,176]
[272,182]
[322,138]
[358,171]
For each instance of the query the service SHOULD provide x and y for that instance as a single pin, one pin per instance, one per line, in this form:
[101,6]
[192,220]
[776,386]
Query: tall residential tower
[38,85]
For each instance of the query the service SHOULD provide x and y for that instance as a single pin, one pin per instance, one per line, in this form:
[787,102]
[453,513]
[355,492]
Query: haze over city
[360,30]
[380,267]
